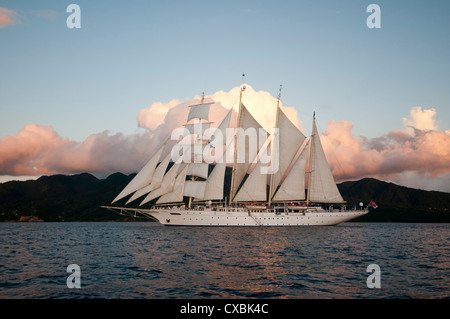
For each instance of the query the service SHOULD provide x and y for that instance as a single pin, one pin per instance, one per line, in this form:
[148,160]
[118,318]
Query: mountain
[79,197]
[61,197]
[397,203]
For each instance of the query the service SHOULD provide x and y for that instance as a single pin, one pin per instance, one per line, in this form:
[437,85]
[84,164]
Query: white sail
[189,150]
[195,189]
[254,187]
[198,111]
[214,184]
[156,180]
[322,187]
[159,173]
[197,128]
[218,136]
[198,170]
[217,142]
[290,139]
[165,185]
[246,154]
[293,186]
[177,194]
[144,177]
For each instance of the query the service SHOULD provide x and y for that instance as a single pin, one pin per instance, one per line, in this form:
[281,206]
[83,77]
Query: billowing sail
[219,136]
[144,177]
[198,170]
[254,187]
[177,194]
[322,187]
[200,111]
[289,140]
[293,186]
[215,182]
[166,185]
[246,148]
[156,180]
[217,141]
[197,128]
[195,189]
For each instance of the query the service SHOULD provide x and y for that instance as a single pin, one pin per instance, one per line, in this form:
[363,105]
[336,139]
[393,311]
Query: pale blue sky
[129,54]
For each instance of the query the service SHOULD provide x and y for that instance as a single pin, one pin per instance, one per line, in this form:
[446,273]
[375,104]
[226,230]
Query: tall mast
[311,150]
[230,200]
[195,139]
[276,126]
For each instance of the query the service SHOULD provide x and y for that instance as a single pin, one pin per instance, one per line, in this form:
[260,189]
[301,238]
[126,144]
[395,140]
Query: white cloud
[423,120]
[165,117]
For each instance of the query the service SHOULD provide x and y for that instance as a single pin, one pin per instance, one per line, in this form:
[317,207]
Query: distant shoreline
[67,198]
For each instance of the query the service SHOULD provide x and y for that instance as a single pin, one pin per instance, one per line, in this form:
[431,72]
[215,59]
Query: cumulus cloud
[39,150]
[165,117]
[419,119]
[8,17]
[418,156]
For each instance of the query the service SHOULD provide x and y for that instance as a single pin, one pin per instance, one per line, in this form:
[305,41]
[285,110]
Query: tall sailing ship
[281,178]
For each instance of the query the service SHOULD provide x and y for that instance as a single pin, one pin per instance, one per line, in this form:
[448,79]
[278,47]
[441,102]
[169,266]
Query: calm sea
[146,260]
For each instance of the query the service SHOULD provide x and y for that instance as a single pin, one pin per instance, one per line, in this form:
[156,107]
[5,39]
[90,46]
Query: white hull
[243,217]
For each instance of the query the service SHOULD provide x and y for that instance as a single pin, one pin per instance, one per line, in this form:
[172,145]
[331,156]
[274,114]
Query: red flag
[372,203]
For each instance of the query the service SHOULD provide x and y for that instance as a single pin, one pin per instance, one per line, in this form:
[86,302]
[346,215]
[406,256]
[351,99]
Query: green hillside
[397,203]
[79,197]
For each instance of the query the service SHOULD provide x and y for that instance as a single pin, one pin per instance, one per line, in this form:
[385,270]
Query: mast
[190,198]
[195,139]
[276,126]
[311,149]
[213,185]
[230,200]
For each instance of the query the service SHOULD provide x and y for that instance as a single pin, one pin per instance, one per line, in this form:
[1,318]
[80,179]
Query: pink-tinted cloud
[22,154]
[39,150]
[414,156]
[8,17]
[343,151]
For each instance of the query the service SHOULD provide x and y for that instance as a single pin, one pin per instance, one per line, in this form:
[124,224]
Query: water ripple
[142,260]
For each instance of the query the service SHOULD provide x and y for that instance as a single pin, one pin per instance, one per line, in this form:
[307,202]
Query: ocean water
[147,260]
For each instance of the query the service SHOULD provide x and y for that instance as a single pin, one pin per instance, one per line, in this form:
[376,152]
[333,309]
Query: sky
[99,98]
